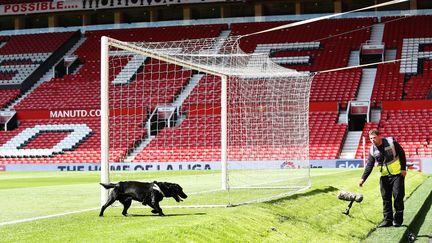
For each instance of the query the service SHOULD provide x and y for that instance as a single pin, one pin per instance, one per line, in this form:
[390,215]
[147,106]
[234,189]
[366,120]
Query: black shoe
[385,224]
[396,224]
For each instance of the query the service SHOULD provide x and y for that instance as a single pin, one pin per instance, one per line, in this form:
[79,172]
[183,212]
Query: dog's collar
[157,188]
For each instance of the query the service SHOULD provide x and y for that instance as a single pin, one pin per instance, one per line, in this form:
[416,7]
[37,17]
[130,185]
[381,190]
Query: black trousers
[393,185]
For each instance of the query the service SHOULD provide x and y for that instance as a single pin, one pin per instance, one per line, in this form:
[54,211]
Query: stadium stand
[412,128]
[390,79]
[336,38]
[328,48]
[82,90]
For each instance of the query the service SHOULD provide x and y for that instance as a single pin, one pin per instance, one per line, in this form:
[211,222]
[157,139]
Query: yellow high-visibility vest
[393,165]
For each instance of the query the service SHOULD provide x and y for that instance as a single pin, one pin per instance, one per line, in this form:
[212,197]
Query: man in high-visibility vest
[392,164]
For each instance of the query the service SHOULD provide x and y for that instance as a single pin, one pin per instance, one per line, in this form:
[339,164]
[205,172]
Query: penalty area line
[45,217]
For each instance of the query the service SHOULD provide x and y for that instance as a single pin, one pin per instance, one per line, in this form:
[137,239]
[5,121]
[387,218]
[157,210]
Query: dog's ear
[155,182]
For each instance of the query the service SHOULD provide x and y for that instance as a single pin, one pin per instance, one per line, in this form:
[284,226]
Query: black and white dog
[148,193]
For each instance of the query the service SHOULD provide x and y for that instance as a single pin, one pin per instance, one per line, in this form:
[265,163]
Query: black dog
[146,193]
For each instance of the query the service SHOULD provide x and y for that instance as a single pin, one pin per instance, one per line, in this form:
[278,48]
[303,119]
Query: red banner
[407,105]
[75,114]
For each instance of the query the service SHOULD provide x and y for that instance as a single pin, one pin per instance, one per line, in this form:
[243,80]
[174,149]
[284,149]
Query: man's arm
[402,158]
[368,169]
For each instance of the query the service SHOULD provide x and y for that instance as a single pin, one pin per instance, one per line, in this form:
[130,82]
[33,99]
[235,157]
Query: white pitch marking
[45,217]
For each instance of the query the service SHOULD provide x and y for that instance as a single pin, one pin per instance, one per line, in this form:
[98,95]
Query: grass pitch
[313,215]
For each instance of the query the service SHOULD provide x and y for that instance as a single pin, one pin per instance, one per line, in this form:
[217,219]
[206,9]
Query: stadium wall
[418,164]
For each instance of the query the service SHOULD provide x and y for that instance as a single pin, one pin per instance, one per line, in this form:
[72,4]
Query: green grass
[425,232]
[416,207]
[422,220]
[312,216]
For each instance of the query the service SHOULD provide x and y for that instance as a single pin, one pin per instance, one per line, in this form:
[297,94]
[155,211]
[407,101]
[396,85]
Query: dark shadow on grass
[420,217]
[166,215]
[300,195]
[364,217]
[384,228]
[425,236]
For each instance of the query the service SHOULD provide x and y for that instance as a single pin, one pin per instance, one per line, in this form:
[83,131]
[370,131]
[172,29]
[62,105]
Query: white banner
[417,164]
[155,166]
[79,5]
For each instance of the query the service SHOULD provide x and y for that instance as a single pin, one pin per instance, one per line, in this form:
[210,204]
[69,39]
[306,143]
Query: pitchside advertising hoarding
[80,5]
[418,164]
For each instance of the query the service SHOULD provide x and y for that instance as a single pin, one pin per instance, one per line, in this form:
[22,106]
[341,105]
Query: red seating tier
[411,128]
[46,140]
[336,37]
[388,84]
[325,135]
[34,43]
[339,86]
[419,87]
[398,28]
[8,95]
[198,139]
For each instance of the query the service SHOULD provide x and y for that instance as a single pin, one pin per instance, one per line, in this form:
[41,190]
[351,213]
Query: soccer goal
[230,127]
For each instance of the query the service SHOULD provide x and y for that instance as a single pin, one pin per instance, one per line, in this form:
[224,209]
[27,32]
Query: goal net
[230,127]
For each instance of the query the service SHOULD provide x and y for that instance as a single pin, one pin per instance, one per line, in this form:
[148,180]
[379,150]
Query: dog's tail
[108,186]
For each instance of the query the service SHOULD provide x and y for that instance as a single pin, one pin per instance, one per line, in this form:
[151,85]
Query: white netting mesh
[168,102]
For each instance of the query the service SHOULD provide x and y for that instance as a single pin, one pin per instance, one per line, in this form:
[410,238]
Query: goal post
[104,72]
[229,127]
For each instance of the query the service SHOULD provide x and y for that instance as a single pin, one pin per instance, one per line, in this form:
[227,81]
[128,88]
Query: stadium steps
[137,150]
[46,77]
[354,59]
[390,54]
[366,84]
[218,44]
[377,34]
[222,37]
[73,49]
[350,146]
[417,206]
[194,80]
[375,115]
[342,117]
[130,70]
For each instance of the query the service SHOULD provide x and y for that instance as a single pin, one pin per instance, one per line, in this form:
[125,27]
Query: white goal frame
[106,42]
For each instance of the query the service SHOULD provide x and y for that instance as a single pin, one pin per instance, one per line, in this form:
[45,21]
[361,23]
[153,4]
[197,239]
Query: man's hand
[403,173]
[360,183]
